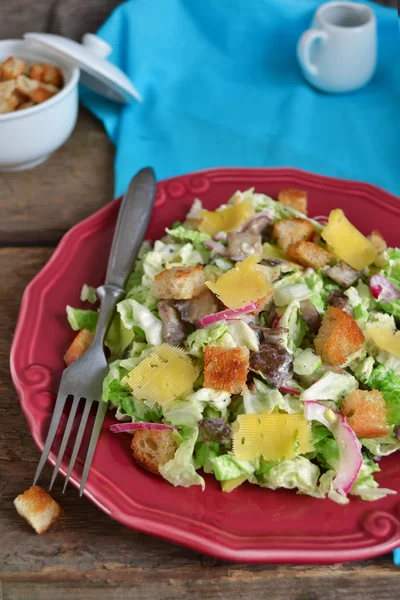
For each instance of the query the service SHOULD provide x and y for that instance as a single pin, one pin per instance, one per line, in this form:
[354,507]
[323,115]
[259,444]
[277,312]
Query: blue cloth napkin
[222,87]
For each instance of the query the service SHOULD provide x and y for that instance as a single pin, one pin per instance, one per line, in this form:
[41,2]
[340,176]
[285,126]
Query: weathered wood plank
[39,205]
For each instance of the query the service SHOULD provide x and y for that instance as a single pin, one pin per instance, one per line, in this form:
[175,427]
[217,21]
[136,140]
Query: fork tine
[79,436]
[65,439]
[58,409]
[101,411]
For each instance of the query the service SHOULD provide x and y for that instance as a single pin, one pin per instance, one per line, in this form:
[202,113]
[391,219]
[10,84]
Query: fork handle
[133,218]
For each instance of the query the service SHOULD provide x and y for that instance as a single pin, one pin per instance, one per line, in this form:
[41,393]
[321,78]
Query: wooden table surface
[86,555]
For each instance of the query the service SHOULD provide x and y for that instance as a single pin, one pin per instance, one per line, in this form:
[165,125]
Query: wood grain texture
[39,205]
[87,556]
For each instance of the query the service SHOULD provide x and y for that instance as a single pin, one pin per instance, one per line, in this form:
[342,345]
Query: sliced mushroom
[310,315]
[273,361]
[194,309]
[337,299]
[257,225]
[173,328]
[343,274]
[244,244]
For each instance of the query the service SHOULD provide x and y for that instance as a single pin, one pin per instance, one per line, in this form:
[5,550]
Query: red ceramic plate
[250,524]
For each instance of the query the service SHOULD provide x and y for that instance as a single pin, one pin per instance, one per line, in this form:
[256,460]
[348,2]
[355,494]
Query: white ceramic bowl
[29,136]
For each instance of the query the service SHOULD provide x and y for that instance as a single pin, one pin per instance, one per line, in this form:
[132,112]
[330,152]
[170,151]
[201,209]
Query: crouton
[38,508]
[15,100]
[338,337]
[12,67]
[24,86]
[36,72]
[40,94]
[153,448]
[366,413]
[378,241]
[308,255]
[179,283]
[226,368]
[7,88]
[79,346]
[52,75]
[290,231]
[4,107]
[297,199]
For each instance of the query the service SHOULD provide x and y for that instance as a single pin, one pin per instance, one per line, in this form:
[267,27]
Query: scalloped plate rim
[166,530]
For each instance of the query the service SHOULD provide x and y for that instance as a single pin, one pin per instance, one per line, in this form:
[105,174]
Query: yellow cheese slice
[228,219]
[271,436]
[385,338]
[230,484]
[346,242]
[164,375]
[242,284]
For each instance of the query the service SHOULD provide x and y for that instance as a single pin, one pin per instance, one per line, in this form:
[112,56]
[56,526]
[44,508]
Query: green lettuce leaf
[88,294]
[180,470]
[134,314]
[331,386]
[226,467]
[298,472]
[365,485]
[82,319]
[188,235]
[387,382]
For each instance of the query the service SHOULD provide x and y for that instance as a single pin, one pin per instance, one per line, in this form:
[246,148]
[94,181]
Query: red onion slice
[229,313]
[382,289]
[126,427]
[216,247]
[350,457]
[289,390]
[322,219]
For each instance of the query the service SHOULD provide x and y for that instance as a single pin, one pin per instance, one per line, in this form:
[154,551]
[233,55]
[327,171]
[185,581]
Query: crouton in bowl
[38,105]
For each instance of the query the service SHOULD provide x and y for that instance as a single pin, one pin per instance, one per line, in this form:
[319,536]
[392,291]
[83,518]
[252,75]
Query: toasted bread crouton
[38,508]
[338,337]
[4,107]
[152,448]
[40,94]
[297,199]
[79,346]
[290,231]
[12,67]
[226,368]
[25,86]
[366,413]
[36,72]
[378,241]
[52,75]
[308,255]
[179,283]
[7,88]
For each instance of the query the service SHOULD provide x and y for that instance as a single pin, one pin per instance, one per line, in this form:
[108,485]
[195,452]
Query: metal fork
[83,379]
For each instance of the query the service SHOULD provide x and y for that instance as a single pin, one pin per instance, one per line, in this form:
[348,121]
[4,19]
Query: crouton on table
[297,199]
[179,283]
[152,448]
[366,413]
[308,254]
[79,345]
[226,368]
[38,508]
[290,231]
[338,337]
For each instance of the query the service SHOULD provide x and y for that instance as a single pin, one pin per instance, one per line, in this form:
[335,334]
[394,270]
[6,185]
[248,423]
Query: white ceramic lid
[90,57]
